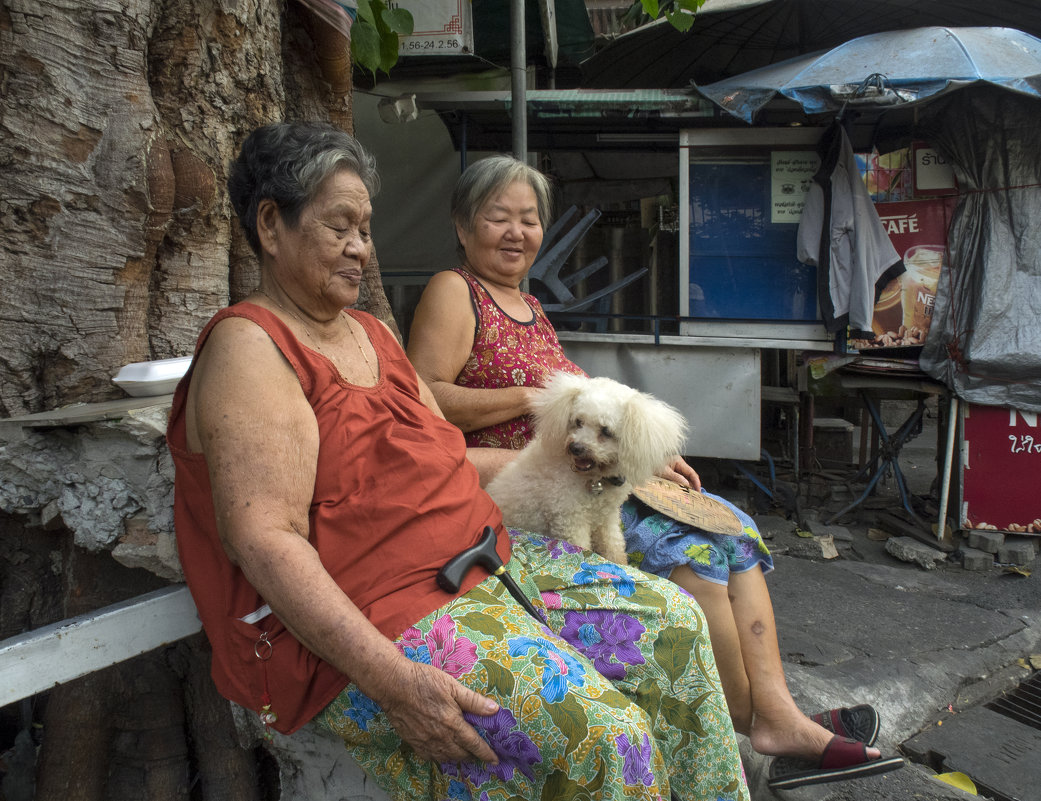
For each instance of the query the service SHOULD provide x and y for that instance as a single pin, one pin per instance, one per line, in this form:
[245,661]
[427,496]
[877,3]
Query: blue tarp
[984,341]
[888,69]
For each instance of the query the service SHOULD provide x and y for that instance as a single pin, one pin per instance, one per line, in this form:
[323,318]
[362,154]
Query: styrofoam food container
[159,377]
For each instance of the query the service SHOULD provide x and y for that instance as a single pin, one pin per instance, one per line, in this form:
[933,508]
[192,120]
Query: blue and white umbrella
[888,69]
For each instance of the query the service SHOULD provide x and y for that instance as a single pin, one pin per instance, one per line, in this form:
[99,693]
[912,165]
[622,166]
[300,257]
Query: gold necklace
[361,350]
[317,346]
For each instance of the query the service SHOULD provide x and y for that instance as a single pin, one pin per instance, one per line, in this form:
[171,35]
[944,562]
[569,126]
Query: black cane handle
[450,577]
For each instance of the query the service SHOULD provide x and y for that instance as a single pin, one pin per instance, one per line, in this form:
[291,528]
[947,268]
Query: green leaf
[366,12]
[679,13]
[365,46]
[614,699]
[700,659]
[682,715]
[595,785]
[679,20]
[388,48]
[559,785]
[398,20]
[480,595]
[499,678]
[483,623]
[672,651]
[645,596]
[570,718]
[374,35]
[648,697]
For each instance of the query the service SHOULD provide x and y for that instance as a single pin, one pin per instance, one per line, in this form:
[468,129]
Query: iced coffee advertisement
[904,311]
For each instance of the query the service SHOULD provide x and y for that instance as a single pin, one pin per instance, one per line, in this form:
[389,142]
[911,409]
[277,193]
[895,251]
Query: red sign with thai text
[1001,469]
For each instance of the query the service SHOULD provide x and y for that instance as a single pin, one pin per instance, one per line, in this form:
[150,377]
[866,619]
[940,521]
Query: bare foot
[794,735]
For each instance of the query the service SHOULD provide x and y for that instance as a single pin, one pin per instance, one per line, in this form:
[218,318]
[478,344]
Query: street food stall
[712,208]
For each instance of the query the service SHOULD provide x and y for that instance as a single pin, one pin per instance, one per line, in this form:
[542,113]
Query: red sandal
[842,759]
[856,722]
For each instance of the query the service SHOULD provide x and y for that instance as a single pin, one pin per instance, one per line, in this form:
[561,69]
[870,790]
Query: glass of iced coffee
[919,285]
[889,313]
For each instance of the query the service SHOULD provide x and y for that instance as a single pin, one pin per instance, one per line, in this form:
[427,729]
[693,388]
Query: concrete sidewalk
[927,647]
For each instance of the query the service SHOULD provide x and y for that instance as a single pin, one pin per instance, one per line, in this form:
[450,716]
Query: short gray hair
[287,162]
[487,179]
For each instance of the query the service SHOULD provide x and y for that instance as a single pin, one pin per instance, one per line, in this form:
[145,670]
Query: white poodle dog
[595,439]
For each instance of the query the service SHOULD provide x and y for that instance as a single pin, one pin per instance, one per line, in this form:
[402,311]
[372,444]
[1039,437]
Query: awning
[571,119]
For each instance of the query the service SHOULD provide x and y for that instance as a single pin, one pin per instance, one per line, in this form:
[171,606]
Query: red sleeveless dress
[394,499]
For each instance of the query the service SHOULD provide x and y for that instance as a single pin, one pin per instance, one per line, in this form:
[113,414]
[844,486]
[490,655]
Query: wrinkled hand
[682,473]
[426,705]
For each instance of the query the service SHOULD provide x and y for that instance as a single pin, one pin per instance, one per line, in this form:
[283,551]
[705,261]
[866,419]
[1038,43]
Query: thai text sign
[791,176]
[441,28]
[1001,469]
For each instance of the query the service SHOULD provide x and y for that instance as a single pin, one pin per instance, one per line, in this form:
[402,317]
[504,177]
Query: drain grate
[1022,704]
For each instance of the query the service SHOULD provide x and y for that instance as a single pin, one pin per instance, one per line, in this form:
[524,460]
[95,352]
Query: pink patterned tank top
[509,353]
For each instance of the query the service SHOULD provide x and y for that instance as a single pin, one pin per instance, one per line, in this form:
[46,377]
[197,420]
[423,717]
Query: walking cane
[450,577]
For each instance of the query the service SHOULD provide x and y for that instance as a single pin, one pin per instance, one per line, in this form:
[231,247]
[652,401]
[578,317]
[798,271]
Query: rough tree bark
[118,119]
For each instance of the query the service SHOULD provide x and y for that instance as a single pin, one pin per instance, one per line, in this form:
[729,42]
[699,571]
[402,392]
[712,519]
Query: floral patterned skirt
[657,543]
[617,697]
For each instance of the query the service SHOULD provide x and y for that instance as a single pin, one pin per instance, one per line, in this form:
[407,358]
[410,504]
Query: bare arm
[260,439]
[489,461]
[439,344]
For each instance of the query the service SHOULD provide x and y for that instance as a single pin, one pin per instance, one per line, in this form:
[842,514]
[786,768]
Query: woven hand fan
[688,506]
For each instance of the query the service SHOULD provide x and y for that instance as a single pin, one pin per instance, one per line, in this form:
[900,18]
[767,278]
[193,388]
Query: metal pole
[948,460]
[464,142]
[518,74]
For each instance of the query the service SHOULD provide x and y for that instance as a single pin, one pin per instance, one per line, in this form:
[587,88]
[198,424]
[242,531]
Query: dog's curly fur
[594,440]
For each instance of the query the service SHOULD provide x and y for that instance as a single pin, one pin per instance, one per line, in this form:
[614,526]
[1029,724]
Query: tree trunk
[79,135]
[118,119]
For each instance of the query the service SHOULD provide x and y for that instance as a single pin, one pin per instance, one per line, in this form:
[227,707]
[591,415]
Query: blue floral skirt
[657,543]
[616,698]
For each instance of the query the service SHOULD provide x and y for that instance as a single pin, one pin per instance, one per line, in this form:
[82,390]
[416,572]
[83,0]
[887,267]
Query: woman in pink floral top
[509,353]
[484,348]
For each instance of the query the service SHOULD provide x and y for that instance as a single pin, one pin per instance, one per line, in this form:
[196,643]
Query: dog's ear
[652,434]
[554,404]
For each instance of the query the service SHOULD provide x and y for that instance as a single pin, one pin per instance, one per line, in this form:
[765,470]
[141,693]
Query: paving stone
[819,529]
[975,559]
[1016,552]
[908,549]
[1033,542]
[986,540]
